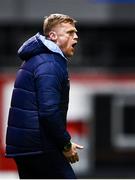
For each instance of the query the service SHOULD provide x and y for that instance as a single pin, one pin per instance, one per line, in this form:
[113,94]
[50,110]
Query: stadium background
[101,113]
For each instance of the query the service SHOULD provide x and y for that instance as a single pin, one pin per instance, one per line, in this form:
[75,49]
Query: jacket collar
[50,45]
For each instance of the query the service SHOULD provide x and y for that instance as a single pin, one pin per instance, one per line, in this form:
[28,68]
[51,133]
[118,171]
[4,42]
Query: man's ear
[52,35]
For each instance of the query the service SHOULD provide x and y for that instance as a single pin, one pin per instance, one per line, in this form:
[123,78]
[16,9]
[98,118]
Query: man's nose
[75,36]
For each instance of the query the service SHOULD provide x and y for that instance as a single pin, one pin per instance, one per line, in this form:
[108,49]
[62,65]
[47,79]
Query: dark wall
[100,47]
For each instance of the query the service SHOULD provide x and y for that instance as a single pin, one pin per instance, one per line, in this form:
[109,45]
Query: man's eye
[71,33]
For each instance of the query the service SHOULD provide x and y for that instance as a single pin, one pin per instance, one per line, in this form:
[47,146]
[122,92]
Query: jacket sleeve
[49,87]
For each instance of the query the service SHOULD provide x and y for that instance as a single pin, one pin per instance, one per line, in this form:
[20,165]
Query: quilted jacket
[37,116]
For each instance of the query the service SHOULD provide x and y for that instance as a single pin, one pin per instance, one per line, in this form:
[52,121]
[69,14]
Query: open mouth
[74,44]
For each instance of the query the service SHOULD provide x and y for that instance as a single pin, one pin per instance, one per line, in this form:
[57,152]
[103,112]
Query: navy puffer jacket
[37,116]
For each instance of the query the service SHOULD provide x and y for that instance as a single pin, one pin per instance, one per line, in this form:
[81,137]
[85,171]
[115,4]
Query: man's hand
[72,155]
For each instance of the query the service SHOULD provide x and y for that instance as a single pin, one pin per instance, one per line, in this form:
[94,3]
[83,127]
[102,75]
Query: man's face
[66,38]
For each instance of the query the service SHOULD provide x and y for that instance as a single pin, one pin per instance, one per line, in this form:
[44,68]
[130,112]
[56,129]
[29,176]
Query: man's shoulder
[36,61]
[45,62]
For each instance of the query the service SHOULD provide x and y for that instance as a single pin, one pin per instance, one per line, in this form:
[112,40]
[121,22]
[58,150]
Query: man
[36,135]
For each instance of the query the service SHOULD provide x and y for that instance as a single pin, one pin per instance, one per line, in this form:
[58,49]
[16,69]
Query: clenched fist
[72,155]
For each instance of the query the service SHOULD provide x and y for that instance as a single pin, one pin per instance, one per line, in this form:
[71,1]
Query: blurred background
[101,113]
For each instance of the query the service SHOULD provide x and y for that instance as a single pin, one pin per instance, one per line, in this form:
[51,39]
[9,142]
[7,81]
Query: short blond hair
[53,19]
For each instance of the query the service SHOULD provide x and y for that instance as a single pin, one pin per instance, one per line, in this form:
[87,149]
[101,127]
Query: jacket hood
[38,44]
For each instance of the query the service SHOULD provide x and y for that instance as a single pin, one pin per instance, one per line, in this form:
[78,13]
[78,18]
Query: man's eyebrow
[72,30]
